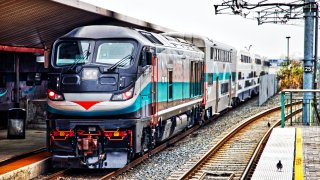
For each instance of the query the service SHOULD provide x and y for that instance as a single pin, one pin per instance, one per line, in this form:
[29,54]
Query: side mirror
[149,58]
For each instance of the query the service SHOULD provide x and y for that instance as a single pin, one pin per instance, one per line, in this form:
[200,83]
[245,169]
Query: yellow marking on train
[298,165]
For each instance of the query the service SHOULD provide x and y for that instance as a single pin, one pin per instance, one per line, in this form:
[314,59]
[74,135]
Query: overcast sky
[197,16]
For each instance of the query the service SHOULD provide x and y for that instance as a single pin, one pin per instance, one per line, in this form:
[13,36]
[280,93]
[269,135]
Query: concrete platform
[280,146]
[35,139]
[298,149]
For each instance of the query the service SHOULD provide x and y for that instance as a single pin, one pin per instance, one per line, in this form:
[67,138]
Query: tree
[291,76]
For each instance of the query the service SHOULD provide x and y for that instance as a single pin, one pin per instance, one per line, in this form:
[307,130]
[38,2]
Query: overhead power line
[265,12]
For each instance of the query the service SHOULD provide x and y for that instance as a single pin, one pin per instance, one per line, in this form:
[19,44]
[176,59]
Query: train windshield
[111,52]
[72,52]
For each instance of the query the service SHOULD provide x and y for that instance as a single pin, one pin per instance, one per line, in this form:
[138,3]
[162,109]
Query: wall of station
[27,65]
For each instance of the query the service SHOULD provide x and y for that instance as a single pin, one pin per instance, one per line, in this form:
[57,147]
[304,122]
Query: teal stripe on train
[180,91]
[222,76]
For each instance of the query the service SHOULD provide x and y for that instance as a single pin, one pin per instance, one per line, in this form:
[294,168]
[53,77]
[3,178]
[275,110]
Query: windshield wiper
[85,55]
[122,62]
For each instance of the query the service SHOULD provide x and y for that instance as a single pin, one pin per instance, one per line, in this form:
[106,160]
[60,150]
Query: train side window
[228,57]
[215,54]
[211,53]
[224,88]
[239,75]
[210,79]
[170,84]
[247,83]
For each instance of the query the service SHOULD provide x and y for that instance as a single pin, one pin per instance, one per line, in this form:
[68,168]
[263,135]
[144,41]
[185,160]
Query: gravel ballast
[161,165]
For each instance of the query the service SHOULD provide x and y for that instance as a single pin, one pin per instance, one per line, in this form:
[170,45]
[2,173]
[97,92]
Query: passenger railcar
[115,92]
[220,72]
[257,69]
[245,72]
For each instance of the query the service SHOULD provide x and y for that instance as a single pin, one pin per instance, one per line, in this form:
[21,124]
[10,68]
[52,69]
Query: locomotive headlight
[89,74]
[54,96]
[123,96]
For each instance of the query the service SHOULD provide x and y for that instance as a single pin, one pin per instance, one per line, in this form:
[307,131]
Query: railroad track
[235,155]
[113,174]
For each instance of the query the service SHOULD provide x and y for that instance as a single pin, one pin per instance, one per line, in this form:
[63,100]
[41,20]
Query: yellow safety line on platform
[298,165]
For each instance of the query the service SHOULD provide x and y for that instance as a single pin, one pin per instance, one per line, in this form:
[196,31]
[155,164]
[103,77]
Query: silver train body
[115,93]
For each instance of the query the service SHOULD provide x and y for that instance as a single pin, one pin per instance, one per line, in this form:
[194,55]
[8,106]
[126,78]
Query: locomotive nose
[89,79]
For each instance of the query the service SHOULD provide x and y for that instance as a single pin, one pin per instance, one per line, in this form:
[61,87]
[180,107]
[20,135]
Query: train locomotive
[115,92]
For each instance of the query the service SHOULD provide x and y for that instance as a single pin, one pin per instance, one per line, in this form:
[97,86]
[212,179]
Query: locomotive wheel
[146,141]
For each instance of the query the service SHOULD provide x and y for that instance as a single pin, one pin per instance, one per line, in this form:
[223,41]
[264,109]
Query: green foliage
[291,76]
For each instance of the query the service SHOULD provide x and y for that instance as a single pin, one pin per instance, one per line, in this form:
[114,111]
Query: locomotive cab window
[69,52]
[112,52]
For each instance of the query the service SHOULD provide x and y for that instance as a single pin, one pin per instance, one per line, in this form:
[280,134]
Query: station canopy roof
[37,23]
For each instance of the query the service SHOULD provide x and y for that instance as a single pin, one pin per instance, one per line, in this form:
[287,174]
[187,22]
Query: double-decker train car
[245,68]
[257,69]
[220,72]
[259,65]
[115,92]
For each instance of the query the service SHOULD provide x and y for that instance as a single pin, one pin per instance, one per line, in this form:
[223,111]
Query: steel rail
[134,163]
[191,171]
[152,152]
[256,155]
[137,161]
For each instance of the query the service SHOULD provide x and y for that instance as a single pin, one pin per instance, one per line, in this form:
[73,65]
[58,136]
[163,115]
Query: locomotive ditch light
[128,94]
[123,96]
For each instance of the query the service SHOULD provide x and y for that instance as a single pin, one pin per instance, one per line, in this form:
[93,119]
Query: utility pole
[288,37]
[282,13]
[288,59]
[309,14]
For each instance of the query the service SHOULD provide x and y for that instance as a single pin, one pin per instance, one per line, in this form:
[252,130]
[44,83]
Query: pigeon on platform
[279,166]
[269,124]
